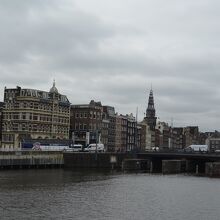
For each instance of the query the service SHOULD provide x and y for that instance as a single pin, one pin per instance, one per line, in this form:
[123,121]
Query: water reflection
[49,178]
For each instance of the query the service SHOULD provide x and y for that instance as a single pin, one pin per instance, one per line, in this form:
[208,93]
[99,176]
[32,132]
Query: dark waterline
[67,194]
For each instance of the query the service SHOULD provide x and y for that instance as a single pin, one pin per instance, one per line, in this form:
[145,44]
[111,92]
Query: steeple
[150,112]
[150,109]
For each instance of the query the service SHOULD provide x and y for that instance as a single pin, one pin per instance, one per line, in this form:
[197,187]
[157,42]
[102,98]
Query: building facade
[1,115]
[86,123]
[191,135]
[128,134]
[118,133]
[131,133]
[110,116]
[147,137]
[177,138]
[213,142]
[162,135]
[30,114]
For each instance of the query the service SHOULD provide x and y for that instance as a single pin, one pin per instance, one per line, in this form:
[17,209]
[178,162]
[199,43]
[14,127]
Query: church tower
[150,112]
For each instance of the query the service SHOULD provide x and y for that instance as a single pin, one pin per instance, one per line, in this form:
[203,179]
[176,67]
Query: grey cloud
[96,50]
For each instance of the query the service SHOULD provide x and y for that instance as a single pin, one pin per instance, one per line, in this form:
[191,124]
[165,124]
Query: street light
[97,140]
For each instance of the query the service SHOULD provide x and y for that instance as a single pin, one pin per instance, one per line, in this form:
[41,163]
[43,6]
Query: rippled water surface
[66,194]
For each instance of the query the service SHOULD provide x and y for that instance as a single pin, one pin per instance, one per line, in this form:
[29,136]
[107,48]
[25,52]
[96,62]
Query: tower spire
[150,112]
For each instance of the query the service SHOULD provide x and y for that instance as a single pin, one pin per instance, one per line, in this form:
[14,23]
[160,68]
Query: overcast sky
[112,51]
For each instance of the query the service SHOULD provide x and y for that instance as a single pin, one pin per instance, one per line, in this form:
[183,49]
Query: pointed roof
[150,112]
[151,101]
[54,89]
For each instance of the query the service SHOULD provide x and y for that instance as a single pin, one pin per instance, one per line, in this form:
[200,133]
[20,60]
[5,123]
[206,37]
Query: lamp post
[97,140]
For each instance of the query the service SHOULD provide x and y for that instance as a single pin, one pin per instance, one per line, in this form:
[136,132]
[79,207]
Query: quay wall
[173,166]
[212,169]
[29,159]
[122,161]
[93,160]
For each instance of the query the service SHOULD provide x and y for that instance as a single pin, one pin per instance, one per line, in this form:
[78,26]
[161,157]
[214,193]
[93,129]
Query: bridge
[195,162]
[176,155]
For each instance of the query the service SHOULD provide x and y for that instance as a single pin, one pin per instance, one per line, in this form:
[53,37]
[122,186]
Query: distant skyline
[112,51]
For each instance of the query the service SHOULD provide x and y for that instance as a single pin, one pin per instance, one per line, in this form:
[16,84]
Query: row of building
[29,116]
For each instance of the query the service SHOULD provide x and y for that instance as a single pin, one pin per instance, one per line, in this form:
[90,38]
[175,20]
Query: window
[35,117]
[15,116]
[15,127]
[76,126]
[35,105]
[23,127]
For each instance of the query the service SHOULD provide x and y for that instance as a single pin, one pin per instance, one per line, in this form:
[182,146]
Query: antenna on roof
[171,122]
[136,114]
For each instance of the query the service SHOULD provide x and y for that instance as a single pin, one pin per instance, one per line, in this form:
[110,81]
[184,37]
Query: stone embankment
[30,159]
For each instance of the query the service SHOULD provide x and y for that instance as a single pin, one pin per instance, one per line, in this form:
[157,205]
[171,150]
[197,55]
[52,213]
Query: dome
[54,89]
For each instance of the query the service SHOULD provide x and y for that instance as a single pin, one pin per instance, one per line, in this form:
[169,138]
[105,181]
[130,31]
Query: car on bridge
[197,148]
[95,148]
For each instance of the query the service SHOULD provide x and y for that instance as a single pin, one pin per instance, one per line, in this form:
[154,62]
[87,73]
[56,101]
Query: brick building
[191,135]
[109,115]
[118,133]
[86,122]
[177,138]
[213,141]
[128,134]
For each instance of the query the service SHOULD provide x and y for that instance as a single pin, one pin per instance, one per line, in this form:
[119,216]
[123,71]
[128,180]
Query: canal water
[66,194]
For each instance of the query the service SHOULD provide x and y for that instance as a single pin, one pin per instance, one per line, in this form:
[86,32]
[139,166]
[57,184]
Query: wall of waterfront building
[147,136]
[93,122]
[1,108]
[118,133]
[128,133]
[33,114]
[213,141]
[109,114]
[86,122]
